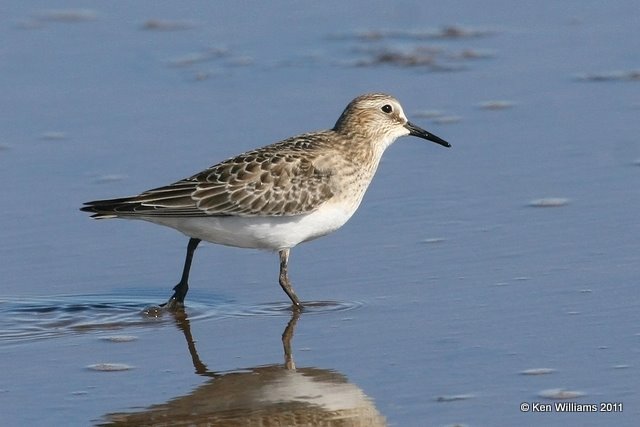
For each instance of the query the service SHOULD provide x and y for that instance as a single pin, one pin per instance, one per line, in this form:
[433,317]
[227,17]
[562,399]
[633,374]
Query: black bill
[421,133]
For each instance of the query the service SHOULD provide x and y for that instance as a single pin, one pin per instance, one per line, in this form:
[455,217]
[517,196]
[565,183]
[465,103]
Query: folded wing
[257,183]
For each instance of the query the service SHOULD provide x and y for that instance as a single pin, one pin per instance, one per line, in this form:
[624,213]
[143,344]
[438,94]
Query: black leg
[284,279]
[181,289]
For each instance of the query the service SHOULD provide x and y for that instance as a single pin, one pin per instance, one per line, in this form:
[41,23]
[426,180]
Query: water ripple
[34,318]
[284,308]
[31,318]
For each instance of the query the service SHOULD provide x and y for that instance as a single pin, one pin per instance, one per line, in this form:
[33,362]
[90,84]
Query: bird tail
[109,208]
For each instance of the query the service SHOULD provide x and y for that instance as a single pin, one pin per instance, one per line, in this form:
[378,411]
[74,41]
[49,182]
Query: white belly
[272,233]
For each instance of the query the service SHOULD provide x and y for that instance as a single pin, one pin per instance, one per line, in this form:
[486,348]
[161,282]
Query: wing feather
[277,180]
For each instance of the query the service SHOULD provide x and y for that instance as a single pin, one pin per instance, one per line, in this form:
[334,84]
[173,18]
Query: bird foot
[173,305]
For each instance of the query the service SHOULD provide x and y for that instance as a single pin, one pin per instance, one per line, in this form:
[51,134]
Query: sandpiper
[277,196]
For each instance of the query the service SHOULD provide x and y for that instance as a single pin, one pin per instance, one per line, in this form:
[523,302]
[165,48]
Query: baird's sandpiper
[277,196]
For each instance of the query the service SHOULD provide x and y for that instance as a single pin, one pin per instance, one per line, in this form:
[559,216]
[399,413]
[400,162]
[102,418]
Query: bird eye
[387,108]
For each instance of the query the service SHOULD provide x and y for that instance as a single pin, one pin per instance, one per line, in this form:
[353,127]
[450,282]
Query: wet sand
[471,280]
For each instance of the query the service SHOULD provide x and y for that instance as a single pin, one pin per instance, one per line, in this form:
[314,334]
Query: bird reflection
[271,395]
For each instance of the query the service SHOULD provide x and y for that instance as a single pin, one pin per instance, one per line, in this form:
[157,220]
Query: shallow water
[503,270]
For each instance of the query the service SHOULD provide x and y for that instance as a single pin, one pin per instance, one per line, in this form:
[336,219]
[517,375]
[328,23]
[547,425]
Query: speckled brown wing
[273,181]
[262,183]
